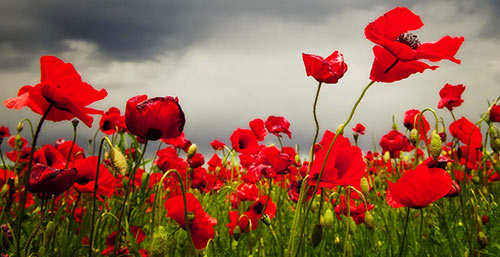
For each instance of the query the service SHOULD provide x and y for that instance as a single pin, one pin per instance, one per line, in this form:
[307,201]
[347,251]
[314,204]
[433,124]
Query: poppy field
[431,190]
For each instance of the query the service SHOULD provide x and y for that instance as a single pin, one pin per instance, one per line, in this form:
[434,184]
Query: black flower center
[258,208]
[153,134]
[409,39]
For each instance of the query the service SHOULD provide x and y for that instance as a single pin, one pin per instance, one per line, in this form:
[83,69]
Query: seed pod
[50,231]
[436,145]
[266,220]
[317,235]
[352,225]
[297,158]
[237,233]
[387,157]
[495,144]
[365,187]
[20,127]
[369,220]
[118,161]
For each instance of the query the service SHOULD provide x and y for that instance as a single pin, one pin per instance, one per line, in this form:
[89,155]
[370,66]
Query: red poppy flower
[154,118]
[294,191]
[76,153]
[466,132]
[136,232]
[257,127]
[50,156]
[344,166]
[495,113]
[4,132]
[247,192]
[168,159]
[86,177]
[180,142]
[394,141]
[62,87]
[398,52]
[47,181]
[360,129]
[328,70]
[244,141]
[451,96]
[217,145]
[201,226]
[420,187]
[277,124]
[357,212]
[112,122]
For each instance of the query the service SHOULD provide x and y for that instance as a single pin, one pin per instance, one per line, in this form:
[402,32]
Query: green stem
[72,145]
[20,213]
[401,247]
[127,190]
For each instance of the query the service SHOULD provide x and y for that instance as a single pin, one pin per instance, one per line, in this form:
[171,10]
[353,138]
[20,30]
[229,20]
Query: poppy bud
[297,158]
[365,187]
[145,178]
[5,189]
[237,233]
[18,141]
[377,181]
[336,240]
[414,136]
[476,180]
[315,206]
[328,218]
[482,239]
[265,219]
[50,231]
[340,129]
[436,145]
[352,225]
[492,132]
[317,235]
[495,144]
[118,161]
[161,244]
[191,151]
[190,217]
[348,250]
[20,127]
[387,157]
[369,220]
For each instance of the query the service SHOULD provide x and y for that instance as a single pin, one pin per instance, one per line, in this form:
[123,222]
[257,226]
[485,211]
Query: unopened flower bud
[436,145]
[315,206]
[340,129]
[369,220]
[328,218]
[336,240]
[118,161]
[297,158]
[476,180]
[191,151]
[387,157]
[414,136]
[4,191]
[482,239]
[377,181]
[20,127]
[145,178]
[18,141]
[352,225]
[50,231]
[365,187]
[492,132]
[316,235]
[237,233]
[495,144]
[161,244]
[266,219]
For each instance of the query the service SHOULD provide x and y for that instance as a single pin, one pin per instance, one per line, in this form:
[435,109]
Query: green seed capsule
[317,235]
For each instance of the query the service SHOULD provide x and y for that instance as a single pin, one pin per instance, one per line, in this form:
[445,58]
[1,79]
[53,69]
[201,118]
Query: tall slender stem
[401,247]
[26,178]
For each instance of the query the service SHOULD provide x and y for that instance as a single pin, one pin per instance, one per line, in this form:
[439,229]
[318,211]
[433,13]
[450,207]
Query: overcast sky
[230,61]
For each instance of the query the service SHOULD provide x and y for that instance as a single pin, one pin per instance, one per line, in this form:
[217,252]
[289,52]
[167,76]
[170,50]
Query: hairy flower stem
[71,148]
[105,139]
[127,190]
[401,247]
[348,217]
[324,165]
[20,212]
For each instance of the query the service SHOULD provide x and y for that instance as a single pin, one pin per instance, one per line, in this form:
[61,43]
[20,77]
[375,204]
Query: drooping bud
[50,231]
[4,191]
[237,233]
[191,151]
[495,144]
[492,132]
[118,161]
[161,244]
[297,158]
[436,145]
[414,136]
[20,127]
[340,129]
[266,220]
[317,235]
[482,239]
[328,218]
[365,186]
[369,220]
[352,225]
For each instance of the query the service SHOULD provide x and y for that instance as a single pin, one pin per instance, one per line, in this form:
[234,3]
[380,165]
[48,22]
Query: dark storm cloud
[135,30]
